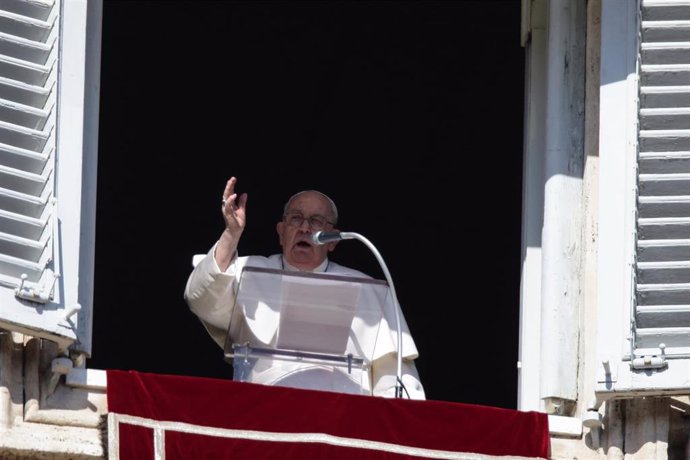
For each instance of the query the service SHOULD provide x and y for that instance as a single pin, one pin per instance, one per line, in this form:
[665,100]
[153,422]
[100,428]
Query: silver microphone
[322,237]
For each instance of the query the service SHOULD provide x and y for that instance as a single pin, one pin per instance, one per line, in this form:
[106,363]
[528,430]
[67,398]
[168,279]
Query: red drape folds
[213,418]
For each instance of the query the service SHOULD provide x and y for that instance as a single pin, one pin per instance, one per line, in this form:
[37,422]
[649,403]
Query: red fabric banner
[195,418]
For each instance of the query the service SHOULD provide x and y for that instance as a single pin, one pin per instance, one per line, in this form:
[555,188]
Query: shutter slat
[665,10]
[24,93]
[664,140]
[664,162]
[677,228]
[663,294]
[24,226]
[28,160]
[656,316]
[38,9]
[665,31]
[665,118]
[25,26]
[23,181]
[664,206]
[28,72]
[26,50]
[662,53]
[22,203]
[664,96]
[664,184]
[15,246]
[661,75]
[663,250]
[23,137]
[12,268]
[663,272]
[672,337]
[23,115]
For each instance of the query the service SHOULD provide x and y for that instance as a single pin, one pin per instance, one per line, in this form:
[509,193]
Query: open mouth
[303,244]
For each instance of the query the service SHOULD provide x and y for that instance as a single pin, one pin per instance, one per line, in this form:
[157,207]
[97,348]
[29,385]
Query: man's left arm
[384,372]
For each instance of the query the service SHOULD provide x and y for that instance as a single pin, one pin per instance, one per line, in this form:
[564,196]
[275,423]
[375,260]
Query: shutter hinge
[651,361]
[44,294]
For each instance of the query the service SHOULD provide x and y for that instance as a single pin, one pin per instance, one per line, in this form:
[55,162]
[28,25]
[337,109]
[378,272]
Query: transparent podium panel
[305,330]
[289,368]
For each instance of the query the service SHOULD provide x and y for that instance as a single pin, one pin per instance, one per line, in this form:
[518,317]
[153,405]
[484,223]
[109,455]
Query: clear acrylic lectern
[305,330]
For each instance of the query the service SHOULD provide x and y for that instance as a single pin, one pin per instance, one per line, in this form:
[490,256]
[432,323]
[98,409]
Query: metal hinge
[34,292]
[651,361]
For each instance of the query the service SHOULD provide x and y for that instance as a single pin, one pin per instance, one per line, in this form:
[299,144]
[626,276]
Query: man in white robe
[212,288]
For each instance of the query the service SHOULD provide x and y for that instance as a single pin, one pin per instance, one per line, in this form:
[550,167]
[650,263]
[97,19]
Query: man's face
[295,230]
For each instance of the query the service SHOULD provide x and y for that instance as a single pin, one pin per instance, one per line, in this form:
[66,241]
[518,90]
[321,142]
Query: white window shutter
[662,311]
[653,355]
[47,165]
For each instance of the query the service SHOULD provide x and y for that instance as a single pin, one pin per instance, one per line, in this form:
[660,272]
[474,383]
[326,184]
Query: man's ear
[279,228]
[331,246]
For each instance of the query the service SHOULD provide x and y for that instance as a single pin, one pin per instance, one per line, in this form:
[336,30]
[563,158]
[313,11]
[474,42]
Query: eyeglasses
[316,222]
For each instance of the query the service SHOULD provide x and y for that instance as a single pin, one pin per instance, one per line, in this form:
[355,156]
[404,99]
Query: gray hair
[331,203]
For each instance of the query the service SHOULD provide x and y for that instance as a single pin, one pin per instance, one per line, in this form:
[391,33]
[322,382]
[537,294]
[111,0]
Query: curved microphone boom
[321,238]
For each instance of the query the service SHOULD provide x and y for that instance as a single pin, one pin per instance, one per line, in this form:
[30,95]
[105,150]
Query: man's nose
[305,225]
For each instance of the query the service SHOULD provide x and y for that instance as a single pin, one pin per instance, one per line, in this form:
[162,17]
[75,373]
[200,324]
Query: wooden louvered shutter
[661,326]
[644,221]
[28,68]
[46,231]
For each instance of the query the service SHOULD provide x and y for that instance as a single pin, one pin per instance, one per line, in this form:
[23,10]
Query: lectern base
[299,369]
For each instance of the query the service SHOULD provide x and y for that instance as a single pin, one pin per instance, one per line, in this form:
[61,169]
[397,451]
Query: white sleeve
[384,372]
[387,338]
[210,293]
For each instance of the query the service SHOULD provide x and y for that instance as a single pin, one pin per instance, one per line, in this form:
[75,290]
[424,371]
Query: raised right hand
[234,209]
[235,215]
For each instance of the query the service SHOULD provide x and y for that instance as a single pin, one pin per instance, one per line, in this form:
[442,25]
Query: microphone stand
[372,248]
